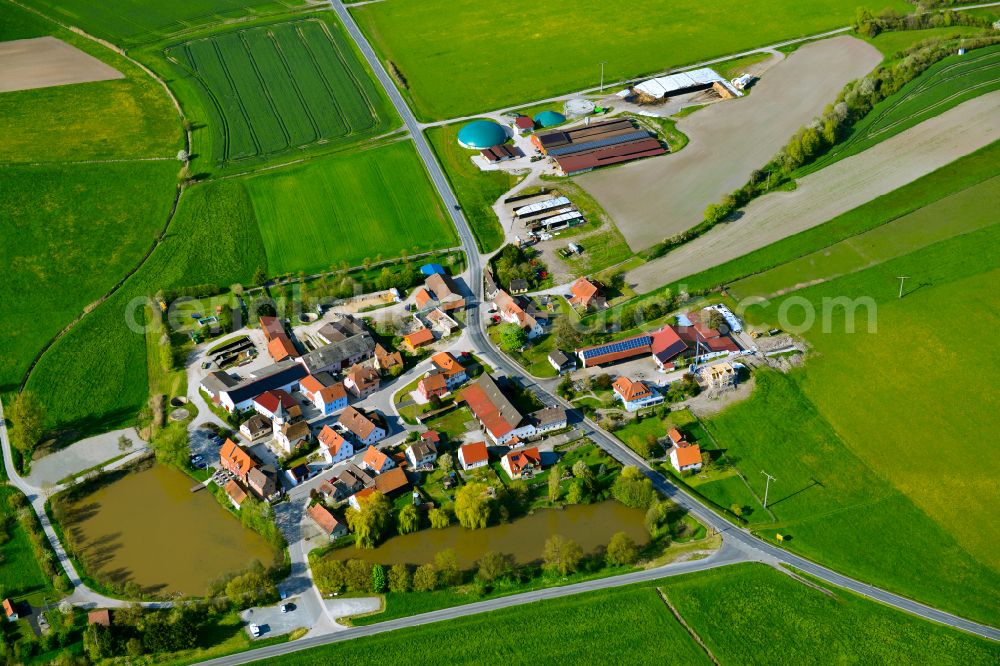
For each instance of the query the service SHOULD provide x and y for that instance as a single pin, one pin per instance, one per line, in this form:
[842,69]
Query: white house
[474,455]
[686,457]
[549,420]
[366,429]
[376,461]
[333,446]
[421,453]
[635,395]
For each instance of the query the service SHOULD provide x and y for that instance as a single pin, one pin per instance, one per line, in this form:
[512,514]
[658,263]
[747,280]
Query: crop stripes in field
[317,134]
[266,92]
[191,67]
[326,82]
[923,85]
[239,102]
[350,72]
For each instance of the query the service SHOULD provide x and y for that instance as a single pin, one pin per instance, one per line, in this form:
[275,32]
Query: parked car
[284,608]
[254,630]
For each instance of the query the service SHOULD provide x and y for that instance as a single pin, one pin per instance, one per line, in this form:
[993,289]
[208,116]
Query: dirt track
[654,199]
[836,189]
[47,61]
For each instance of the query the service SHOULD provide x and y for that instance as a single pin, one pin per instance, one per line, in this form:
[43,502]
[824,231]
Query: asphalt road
[723,557]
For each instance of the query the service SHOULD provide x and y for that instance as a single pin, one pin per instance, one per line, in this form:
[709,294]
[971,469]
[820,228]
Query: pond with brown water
[148,527]
[590,525]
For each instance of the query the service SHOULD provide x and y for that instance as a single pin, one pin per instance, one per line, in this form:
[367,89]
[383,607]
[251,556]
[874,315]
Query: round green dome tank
[481,134]
[549,119]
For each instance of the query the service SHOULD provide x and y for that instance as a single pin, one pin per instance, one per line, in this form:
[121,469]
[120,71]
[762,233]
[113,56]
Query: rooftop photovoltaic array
[614,347]
[599,143]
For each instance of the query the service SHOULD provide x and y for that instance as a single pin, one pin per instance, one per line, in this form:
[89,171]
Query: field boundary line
[371,144]
[688,628]
[123,160]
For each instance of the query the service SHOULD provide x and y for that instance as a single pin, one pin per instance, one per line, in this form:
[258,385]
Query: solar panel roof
[620,346]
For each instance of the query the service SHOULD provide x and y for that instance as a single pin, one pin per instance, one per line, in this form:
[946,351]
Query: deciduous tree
[473,506]
[400,579]
[621,549]
[561,555]
[425,578]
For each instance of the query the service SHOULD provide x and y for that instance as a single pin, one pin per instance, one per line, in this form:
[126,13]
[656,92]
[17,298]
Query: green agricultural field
[746,614]
[120,119]
[345,208]
[752,614]
[275,89]
[953,215]
[555,50]
[131,22]
[213,239]
[892,42]
[945,85]
[894,488]
[626,614]
[476,190]
[70,233]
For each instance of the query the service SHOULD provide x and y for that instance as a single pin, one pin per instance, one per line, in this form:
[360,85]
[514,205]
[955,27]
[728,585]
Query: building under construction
[597,144]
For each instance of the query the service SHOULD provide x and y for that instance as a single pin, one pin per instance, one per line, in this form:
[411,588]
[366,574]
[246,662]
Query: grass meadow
[476,190]
[943,86]
[378,202]
[132,22]
[885,473]
[95,376]
[274,89]
[120,119]
[559,51]
[69,234]
[746,614]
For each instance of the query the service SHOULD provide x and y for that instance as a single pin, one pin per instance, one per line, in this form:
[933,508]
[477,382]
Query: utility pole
[603,63]
[902,280]
[767,485]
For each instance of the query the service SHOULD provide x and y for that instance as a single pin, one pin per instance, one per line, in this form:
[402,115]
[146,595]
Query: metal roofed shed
[433,269]
[549,119]
[672,84]
[480,134]
[540,207]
